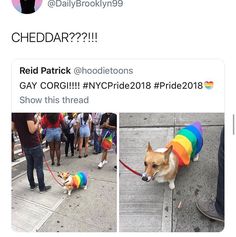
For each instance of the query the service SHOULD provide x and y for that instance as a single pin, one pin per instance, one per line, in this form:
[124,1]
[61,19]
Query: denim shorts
[53,134]
[84,131]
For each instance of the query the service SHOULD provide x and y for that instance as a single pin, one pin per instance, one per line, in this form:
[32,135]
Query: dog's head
[155,162]
[63,175]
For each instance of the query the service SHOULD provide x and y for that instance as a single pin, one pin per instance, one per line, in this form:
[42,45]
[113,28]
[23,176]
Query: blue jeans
[97,143]
[220,196]
[34,157]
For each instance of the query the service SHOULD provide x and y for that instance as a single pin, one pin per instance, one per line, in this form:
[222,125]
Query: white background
[164,29]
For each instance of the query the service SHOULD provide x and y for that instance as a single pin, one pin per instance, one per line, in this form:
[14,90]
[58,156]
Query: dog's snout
[144,177]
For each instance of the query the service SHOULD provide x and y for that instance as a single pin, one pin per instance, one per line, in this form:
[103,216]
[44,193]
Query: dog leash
[127,167]
[49,169]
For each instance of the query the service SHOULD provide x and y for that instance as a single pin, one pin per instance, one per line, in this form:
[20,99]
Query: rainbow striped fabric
[80,180]
[187,143]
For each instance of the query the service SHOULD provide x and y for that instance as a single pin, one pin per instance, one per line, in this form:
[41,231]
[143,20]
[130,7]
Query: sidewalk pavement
[154,207]
[91,210]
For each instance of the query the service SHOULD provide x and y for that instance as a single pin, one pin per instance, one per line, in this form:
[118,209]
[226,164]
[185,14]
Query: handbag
[63,137]
[107,141]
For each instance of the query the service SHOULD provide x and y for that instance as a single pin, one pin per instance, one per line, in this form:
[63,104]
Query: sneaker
[105,162]
[85,155]
[45,189]
[100,165]
[33,188]
[115,168]
[207,208]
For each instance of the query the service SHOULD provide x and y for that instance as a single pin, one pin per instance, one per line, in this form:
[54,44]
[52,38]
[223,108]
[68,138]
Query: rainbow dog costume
[187,143]
[79,180]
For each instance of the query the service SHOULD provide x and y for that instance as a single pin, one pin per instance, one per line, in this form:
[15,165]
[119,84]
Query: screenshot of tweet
[161,105]
[116,117]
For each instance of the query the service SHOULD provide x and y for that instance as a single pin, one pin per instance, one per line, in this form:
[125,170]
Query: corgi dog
[71,182]
[162,164]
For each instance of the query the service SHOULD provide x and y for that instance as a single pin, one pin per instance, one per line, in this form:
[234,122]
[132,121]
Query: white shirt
[71,123]
[80,119]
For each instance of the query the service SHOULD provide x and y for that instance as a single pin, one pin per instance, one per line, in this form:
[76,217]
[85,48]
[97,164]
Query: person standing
[214,209]
[27,127]
[70,124]
[53,123]
[84,121]
[97,132]
[108,124]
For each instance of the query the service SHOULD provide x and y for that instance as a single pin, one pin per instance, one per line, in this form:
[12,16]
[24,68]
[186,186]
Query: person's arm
[78,123]
[32,126]
[90,123]
[62,122]
[103,122]
[110,127]
[13,128]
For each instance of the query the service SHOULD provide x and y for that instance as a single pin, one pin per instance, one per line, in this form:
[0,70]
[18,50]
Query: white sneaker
[100,165]
[105,162]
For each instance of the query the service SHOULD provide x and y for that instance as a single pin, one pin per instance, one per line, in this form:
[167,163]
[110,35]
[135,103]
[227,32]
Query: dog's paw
[196,158]
[172,185]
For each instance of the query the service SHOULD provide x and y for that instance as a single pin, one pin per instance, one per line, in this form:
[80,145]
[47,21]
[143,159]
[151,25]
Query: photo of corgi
[162,165]
[72,182]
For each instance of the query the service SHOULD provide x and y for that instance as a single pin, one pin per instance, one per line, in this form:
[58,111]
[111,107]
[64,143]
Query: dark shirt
[27,6]
[27,139]
[112,119]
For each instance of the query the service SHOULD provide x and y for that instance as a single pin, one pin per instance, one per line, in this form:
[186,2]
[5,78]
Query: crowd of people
[76,130]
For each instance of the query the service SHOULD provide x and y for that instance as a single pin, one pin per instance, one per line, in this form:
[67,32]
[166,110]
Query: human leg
[219,204]
[72,138]
[52,151]
[67,146]
[80,146]
[58,152]
[214,209]
[37,155]
[86,146]
[30,167]
[97,144]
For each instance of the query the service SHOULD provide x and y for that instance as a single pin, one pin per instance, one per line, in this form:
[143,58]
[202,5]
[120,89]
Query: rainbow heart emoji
[209,84]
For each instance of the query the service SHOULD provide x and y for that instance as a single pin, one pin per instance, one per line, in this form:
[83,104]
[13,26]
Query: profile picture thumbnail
[27,6]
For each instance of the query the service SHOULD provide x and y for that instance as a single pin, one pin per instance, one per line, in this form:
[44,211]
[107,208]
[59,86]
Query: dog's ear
[167,154]
[149,148]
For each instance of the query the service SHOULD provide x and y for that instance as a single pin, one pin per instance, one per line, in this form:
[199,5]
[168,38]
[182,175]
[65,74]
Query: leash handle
[127,167]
